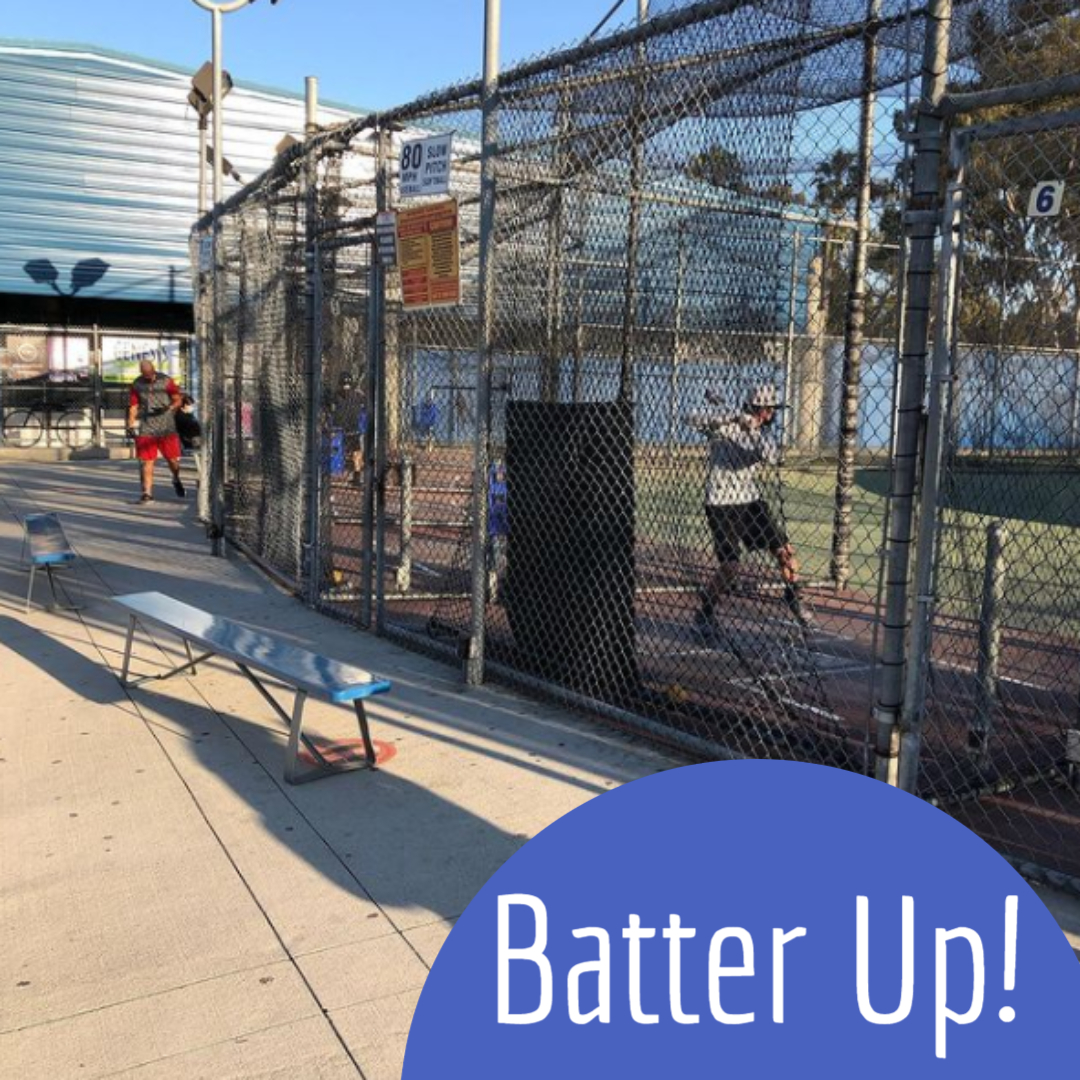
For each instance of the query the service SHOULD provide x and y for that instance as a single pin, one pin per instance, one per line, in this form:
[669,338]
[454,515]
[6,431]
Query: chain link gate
[340,571]
[997,637]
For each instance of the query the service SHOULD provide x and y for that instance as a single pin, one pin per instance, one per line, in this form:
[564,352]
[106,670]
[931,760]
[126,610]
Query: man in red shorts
[152,408]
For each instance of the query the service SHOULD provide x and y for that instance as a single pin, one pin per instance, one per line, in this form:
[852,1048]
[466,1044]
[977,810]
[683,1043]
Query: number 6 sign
[1046,199]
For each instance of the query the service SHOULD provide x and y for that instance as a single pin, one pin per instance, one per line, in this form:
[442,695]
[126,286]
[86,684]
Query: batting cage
[729,389]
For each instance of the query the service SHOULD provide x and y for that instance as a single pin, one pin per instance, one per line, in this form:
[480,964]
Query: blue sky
[365,52]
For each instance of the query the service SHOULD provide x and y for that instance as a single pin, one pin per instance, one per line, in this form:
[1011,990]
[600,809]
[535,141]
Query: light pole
[474,669]
[218,10]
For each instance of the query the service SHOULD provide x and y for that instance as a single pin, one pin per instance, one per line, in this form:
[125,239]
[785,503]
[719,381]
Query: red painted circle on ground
[342,751]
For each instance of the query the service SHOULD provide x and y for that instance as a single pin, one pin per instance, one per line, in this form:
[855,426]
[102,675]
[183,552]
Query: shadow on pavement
[374,834]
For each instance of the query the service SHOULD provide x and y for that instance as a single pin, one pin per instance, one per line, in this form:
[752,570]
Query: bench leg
[322,767]
[57,602]
[30,591]
[191,657]
[361,716]
[127,651]
[292,754]
[52,585]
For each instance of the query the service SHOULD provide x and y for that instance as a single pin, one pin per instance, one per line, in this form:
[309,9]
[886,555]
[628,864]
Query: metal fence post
[920,642]
[989,660]
[97,418]
[676,337]
[203,400]
[552,362]
[404,572]
[315,495]
[474,668]
[810,370]
[371,393]
[377,411]
[633,239]
[855,320]
[312,568]
[789,431]
[1074,404]
[921,222]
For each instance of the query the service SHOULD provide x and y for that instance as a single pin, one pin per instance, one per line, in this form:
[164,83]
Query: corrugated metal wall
[99,161]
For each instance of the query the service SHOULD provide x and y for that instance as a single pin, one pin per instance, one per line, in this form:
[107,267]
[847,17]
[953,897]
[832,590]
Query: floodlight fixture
[227,168]
[201,97]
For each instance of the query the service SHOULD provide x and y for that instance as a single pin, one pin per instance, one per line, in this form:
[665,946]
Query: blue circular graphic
[750,918]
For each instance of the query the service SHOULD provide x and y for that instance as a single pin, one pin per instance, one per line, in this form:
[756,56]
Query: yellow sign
[428,255]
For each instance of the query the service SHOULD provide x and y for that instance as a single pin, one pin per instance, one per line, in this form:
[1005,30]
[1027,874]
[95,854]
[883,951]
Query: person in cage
[153,404]
[350,416]
[737,513]
[426,419]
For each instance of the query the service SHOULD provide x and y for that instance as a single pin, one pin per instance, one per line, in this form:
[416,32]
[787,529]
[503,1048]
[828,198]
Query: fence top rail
[1025,94]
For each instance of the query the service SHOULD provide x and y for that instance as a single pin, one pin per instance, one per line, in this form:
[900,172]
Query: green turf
[1040,507]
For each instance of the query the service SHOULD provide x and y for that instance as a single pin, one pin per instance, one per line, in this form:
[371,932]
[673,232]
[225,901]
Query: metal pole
[556,240]
[1074,404]
[236,400]
[676,336]
[202,166]
[633,238]
[97,408]
[212,495]
[377,412]
[855,320]
[989,660]
[921,221]
[789,344]
[205,406]
[367,532]
[581,220]
[918,659]
[474,669]
[311,105]
[995,370]
[313,570]
[217,465]
[404,573]
[203,390]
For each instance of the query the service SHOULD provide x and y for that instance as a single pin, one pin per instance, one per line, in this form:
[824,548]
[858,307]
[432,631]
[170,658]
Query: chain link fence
[574,477]
[66,388]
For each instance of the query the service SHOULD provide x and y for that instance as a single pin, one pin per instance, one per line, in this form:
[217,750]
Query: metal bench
[49,550]
[251,650]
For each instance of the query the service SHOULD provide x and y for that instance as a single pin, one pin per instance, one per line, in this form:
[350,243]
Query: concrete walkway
[169,908]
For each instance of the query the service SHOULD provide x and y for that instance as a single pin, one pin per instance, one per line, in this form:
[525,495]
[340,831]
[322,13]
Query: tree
[718,167]
[1021,276]
[836,188]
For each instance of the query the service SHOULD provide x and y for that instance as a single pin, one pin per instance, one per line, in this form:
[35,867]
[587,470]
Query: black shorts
[749,525]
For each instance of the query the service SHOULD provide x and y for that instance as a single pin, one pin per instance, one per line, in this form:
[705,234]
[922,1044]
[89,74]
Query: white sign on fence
[1046,199]
[386,237]
[424,168]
